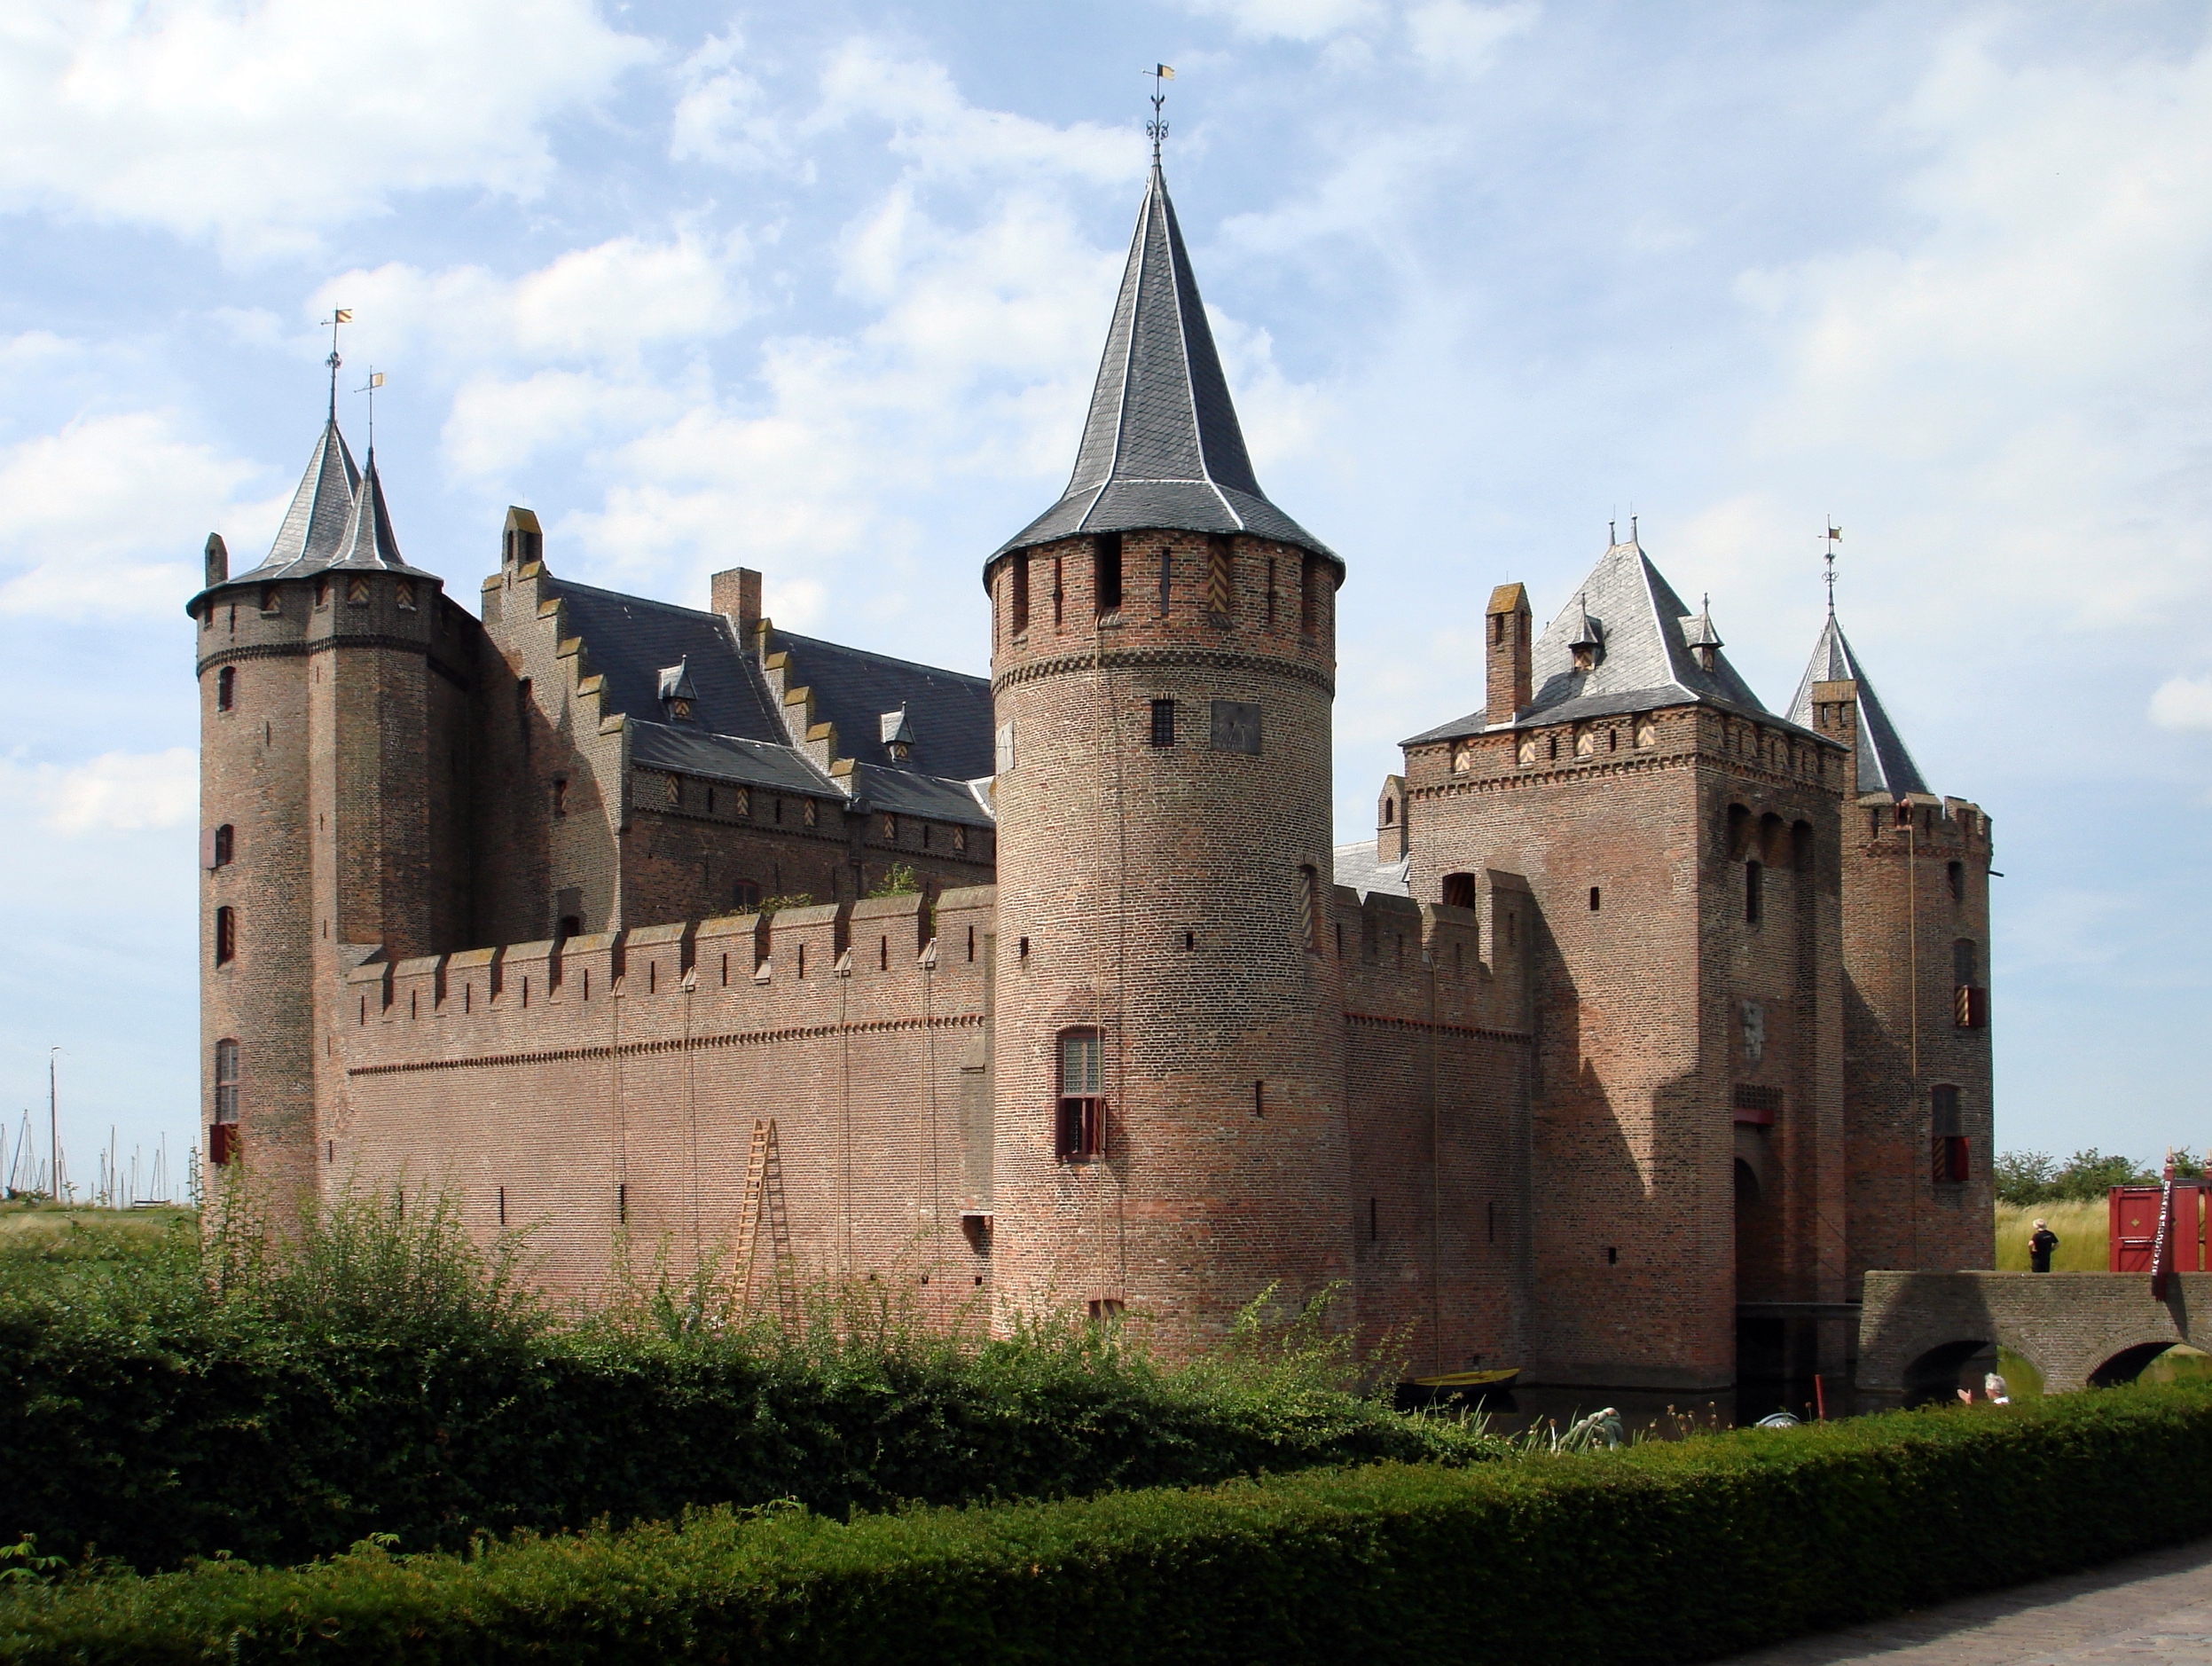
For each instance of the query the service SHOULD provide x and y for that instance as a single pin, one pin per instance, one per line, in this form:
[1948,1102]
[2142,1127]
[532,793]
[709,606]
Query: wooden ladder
[763,1194]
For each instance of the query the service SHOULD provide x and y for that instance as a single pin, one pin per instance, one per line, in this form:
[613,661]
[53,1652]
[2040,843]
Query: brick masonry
[2066,1325]
[1507,1121]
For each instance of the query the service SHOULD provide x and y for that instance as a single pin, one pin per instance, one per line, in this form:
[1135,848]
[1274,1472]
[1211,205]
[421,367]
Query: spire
[315,525]
[1162,447]
[368,540]
[1885,765]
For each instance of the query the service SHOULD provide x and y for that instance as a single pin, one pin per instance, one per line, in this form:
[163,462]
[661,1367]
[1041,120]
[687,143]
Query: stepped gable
[1162,448]
[1884,765]
[1642,655]
[948,712]
[315,527]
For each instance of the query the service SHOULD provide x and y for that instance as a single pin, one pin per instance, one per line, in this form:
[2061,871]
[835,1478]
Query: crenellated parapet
[1419,963]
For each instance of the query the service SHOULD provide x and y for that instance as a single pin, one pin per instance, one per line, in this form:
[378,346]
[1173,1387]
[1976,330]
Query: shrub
[281,1394]
[1658,1553]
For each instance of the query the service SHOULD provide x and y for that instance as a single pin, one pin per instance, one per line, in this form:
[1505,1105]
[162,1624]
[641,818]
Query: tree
[2024,1178]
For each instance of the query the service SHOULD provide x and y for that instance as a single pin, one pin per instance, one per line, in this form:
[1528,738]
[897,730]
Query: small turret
[217,556]
[1701,639]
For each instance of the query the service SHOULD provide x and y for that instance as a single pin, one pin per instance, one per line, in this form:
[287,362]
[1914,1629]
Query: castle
[1649,1022]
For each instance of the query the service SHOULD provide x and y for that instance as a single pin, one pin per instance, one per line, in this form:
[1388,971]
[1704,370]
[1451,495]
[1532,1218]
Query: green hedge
[373,1378]
[1659,1553]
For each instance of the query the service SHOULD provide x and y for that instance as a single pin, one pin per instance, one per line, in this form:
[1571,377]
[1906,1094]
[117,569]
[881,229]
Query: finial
[1828,555]
[338,316]
[1157,126]
[375,380]
[1613,532]
[1632,527]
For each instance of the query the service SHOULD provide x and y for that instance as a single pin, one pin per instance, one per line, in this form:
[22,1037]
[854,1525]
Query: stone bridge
[1916,1330]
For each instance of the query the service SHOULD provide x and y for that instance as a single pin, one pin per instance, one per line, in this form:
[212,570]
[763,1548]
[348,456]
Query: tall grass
[2080,1228]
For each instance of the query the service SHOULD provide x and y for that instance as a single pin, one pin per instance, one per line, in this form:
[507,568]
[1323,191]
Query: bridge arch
[2075,1329]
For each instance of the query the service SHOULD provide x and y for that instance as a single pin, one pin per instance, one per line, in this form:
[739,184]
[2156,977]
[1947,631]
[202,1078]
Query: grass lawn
[2080,1227]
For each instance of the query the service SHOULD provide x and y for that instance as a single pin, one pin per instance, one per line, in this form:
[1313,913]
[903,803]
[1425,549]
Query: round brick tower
[325,750]
[1169,1128]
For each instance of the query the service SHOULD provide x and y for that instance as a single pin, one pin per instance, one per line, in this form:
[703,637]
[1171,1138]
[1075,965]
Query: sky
[822,290]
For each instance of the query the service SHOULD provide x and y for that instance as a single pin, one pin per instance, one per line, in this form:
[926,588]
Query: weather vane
[375,380]
[338,316]
[1828,555]
[1157,126]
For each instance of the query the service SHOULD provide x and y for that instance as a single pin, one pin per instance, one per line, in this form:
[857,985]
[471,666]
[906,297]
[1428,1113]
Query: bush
[277,1396]
[1658,1553]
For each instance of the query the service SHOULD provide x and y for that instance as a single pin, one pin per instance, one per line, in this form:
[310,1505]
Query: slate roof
[314,527]
[1643,662]
[949,713]
[1884,765]
[1356,867]
[903,792]
[1162,447]
[368,540]
[679,747]
[631,639]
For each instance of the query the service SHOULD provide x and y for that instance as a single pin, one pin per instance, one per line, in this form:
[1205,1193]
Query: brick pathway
[2148,1608]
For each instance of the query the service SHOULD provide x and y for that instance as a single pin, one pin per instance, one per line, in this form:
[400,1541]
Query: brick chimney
[1510,653]
[736,597]
[1836,715]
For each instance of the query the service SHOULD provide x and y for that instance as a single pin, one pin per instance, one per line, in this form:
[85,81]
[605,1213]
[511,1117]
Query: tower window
[1309,595]
[225,936]
[1017,606]
[1966,961]
[404,593]
[1949,1161]
[1755,890]
[1081,1130]
[1955,873]
[1594,899]
[226,688]
[271,600]
[322,593]
[1459,891]
[1163,723]
[561,795]
[522,716]
[357,592]
[1309,908]
[1271,591]
[1167,573]
[226,1081]
[219,846]
[1106,573]
[746,896]
[1059,591]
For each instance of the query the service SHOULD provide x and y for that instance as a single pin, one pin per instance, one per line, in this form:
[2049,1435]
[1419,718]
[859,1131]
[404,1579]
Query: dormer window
[677,690]
[898,731]
[1589,646]
[1702,641]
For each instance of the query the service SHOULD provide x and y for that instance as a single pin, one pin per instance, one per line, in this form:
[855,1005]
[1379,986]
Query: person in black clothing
[2039,1248]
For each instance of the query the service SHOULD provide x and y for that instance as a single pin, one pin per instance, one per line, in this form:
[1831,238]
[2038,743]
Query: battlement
[882,961]
[1929,823]
[1411,963]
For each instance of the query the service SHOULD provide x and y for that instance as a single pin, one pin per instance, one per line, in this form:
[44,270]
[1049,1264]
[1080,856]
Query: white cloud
[720,116]
[261,123]
[940,132]
[116,792]
[606,302]
[499,423]
[1452,36]
[2182,703]
[108,516]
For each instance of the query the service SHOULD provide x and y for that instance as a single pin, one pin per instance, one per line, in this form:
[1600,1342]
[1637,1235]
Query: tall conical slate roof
[368,540]
[1162,447]
[1644,632]
[1884,765]
[315,526]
